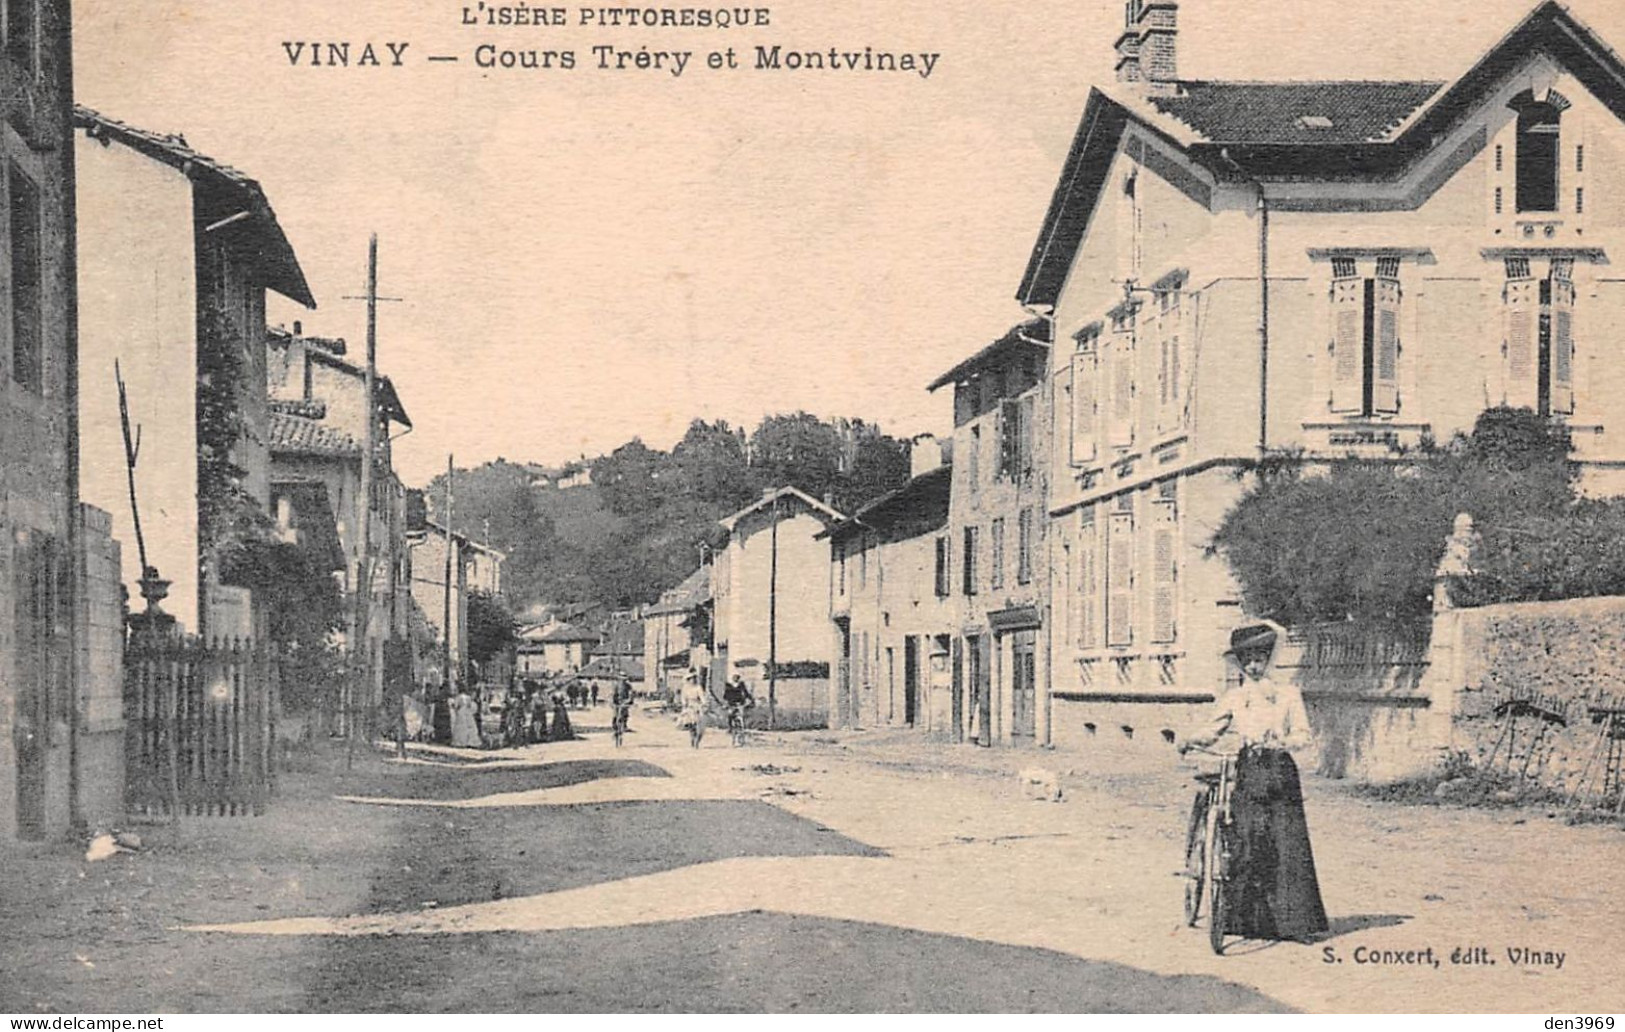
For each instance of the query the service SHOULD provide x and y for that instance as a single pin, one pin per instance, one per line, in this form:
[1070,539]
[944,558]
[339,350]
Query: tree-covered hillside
[636,528]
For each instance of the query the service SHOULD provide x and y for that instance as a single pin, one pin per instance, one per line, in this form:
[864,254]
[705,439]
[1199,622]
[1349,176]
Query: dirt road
[857,873]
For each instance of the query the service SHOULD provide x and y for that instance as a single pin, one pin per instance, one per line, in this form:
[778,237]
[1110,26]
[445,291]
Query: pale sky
[588,256]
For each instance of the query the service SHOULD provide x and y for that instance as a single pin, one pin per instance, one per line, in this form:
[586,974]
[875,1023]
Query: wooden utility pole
[360,651]
[450,544]
[773,624]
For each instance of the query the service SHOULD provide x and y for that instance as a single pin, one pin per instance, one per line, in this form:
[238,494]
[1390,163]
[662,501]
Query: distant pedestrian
[694,707]
[562,731]
[595,695]
[538,714]
[465,728]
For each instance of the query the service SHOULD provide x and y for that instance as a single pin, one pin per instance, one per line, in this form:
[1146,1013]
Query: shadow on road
[449,783]
[749,962]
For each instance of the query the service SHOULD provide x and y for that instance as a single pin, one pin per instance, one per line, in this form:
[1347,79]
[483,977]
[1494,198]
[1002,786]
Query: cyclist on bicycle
[1256,723]
[621,700]
[738,699]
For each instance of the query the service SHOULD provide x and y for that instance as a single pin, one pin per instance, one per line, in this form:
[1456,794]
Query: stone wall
[1533,683]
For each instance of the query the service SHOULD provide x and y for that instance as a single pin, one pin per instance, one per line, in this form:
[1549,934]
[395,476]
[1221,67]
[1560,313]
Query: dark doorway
[911,679]
[1024,682]
[842,716]
[981,688]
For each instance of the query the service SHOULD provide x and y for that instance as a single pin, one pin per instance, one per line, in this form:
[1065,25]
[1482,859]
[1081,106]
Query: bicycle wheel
[1195,860]
[1218,906]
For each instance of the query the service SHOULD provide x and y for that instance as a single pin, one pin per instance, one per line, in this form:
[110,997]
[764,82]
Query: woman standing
[1273,891]
[562,731]
[693,715]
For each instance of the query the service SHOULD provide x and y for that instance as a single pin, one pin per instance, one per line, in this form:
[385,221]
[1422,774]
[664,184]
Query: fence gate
[201,722]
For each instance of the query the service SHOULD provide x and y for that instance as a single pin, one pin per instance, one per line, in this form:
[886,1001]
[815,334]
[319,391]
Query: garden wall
[1533,683]
[1370,699]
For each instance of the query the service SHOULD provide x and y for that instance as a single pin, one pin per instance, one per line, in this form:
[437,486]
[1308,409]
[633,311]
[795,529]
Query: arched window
[1539,126]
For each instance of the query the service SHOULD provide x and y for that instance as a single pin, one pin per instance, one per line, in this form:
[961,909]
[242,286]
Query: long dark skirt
[562,731]
[1274,893]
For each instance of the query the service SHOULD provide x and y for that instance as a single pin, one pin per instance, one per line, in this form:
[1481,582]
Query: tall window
[840,562]
[1365,338]
[27,280]
[1170,353]
[1537,350]
[944,584]
[1085,394]
[973,468]
[1016,437]
[1121,409]
[1024,547]
[1120,574]
[996,561]
[1537,156]
[968,562]
[1087,587]
[1164,564]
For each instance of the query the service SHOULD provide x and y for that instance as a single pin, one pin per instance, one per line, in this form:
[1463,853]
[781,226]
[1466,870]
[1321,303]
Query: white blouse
[1258,712]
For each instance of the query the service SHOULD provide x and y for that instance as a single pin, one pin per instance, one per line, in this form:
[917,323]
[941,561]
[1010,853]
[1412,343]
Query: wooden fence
[201,726]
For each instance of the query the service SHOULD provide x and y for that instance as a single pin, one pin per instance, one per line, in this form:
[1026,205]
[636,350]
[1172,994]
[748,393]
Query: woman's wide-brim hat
[1259,637]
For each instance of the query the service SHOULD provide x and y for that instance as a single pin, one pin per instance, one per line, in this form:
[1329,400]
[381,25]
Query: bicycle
[618,726]
[736,723]
[1210,852]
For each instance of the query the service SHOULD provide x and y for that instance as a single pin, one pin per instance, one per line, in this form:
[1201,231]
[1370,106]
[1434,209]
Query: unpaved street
[851,873]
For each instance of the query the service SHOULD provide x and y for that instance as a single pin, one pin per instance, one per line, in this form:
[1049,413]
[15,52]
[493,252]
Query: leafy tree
[711,465]
[800,451]
[629,478]
[1363,540]
[490,627]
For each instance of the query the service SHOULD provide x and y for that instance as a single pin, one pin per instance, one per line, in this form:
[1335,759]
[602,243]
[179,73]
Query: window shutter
[1562,346]
[1009,435]
[1385,375]
[1024,439]
[1084,372]
[1522,308]
[1120,581]
[1348,345]
[1087,590]
[1122,413]
[1164,541]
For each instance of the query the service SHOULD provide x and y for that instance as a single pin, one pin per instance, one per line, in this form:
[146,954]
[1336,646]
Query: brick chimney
[1148,48]
[1128,44]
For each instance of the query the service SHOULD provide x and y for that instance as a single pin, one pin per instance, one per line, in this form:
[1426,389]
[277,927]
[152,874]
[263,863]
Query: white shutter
[1164,598]
[1348,345]
[1122,410]
[1519,362]
[1120,580]
[1084,409]
[1385,374]
[1562,346]
[1088,588]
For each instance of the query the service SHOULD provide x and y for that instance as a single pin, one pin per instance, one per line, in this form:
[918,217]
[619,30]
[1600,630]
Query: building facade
[676,634]
[996,554]
[317,426]
[1323,270]
[176,252]
[894,610]
[770,595]
[442,598]
[40,718]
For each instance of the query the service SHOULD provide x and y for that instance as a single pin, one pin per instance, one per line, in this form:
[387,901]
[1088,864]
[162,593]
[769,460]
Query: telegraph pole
[445,646]
[362,667]
[773,624]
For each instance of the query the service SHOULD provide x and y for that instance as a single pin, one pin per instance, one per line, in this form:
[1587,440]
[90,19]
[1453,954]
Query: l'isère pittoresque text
[651,41]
